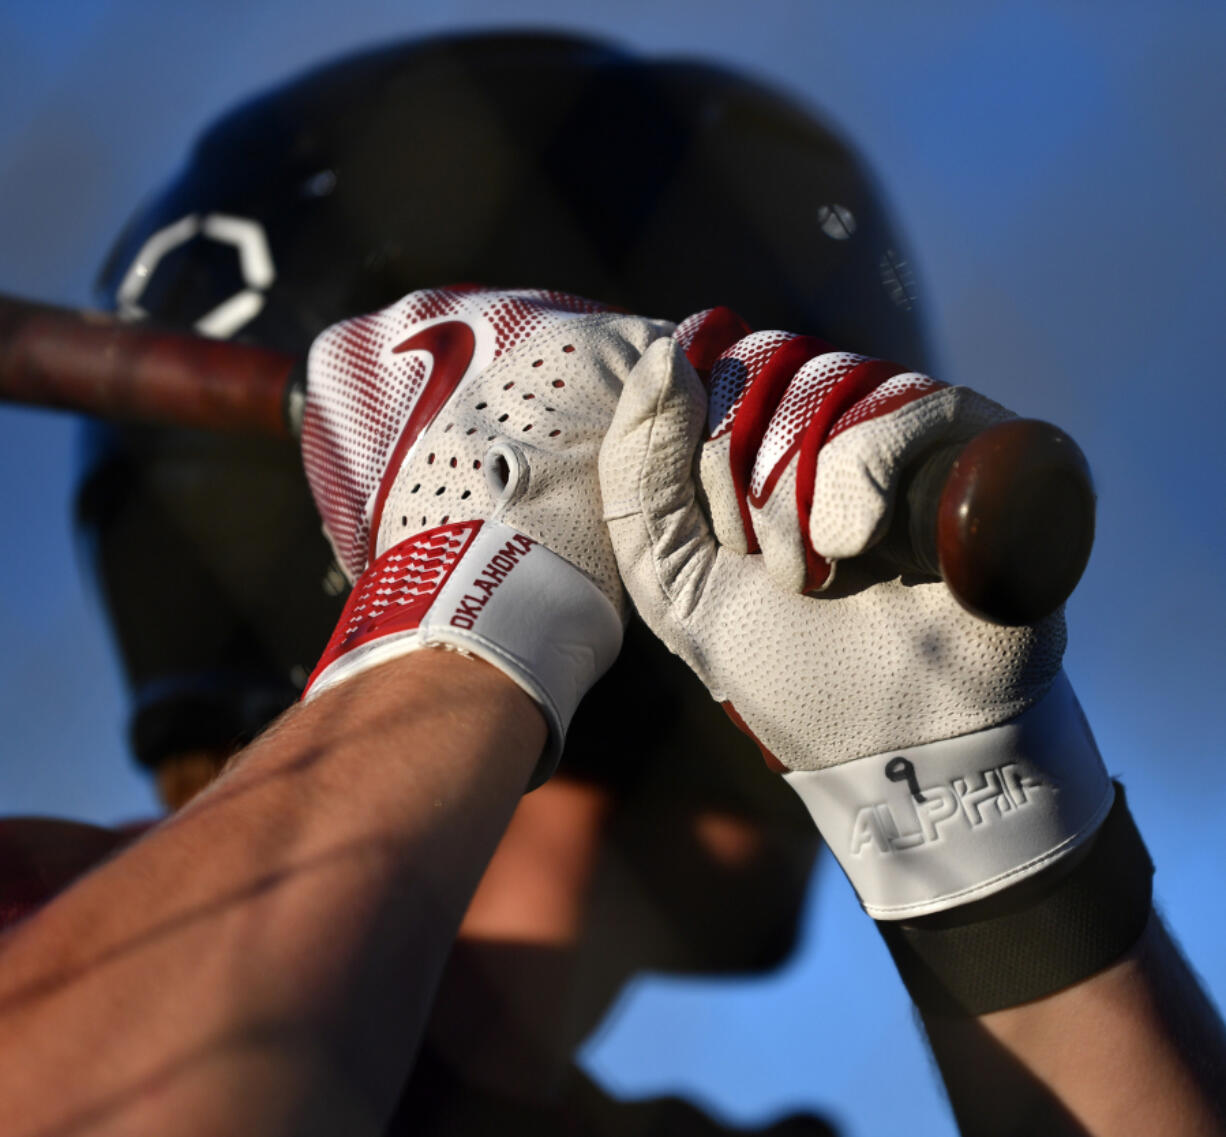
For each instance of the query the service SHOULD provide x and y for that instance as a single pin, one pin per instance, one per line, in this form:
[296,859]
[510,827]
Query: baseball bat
[1006,519]
[95,364]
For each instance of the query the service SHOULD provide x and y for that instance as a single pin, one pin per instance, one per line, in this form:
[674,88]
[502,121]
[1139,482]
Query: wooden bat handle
[95,364]
[1006,520]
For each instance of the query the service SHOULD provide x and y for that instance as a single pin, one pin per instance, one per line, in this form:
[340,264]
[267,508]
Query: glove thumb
[664,547]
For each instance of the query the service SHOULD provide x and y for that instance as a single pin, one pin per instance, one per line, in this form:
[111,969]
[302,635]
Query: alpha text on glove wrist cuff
[927,828]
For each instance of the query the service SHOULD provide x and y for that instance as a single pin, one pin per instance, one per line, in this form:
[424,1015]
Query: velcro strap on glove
[487,589]
[1035,939]
[926,828]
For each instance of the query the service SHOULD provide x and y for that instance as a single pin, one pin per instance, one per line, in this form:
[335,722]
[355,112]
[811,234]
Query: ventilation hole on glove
[554,433]
[465,495]
[430,460]
[446,518]
[477,464]
[537,362]
[452,463]
[551,409]
[448,427]
[508,386]
[529,396]
[490,437]
[423,520]
[415,488]
[405,522]
[528,427]
[471,430]
[558,383]
[440,490]
[503,418]
[481,406]
[569,348]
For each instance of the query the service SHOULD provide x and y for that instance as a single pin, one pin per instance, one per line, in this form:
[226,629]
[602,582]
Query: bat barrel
[93,364]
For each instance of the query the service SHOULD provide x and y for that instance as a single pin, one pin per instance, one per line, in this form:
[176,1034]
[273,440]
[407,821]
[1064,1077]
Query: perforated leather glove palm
[450,441]
[942,757]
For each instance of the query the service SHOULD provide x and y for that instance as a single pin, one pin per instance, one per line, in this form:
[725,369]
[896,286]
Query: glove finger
[746,385]
[854,479]
[816,394]
[706,336]
[661,539]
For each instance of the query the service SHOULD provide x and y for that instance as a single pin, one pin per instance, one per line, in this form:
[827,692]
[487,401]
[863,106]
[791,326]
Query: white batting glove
[450,441]
[942,757]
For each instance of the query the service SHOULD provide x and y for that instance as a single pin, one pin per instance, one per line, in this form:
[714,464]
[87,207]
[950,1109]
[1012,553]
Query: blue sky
[1059,170]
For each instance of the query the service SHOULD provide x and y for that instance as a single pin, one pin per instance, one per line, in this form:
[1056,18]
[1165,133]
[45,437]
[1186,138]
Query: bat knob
[1006,520]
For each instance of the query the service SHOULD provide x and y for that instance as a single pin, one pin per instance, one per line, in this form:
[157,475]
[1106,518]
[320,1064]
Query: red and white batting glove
[942,757]
[451,441]
[778,401]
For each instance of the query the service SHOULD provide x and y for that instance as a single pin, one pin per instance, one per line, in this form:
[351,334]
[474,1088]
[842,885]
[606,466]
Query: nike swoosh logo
[451,345]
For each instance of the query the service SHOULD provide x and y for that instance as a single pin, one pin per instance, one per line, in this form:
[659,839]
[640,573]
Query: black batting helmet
[663,186]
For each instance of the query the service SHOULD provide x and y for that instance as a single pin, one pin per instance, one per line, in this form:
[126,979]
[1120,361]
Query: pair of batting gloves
[497,470]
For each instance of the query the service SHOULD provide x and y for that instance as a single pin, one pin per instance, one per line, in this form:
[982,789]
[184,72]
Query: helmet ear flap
[188,537]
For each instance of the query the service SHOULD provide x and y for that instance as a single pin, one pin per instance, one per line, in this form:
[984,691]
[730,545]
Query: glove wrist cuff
[489,590]
[926,828]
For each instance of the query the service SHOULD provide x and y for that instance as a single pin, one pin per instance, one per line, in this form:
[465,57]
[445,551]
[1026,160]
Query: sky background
[1060,173]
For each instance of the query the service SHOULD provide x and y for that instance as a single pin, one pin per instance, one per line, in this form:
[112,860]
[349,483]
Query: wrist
[490,592]
[362,727]
[1045,934]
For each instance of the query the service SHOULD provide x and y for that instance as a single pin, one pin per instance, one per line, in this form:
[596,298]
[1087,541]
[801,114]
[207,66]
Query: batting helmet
[663,186]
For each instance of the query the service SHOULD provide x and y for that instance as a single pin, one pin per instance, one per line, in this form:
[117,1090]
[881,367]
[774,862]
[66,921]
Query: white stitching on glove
[942,757]
[450,441]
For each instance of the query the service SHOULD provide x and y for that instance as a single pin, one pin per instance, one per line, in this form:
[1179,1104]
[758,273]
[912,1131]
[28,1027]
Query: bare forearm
[1135,1049]
[264,961]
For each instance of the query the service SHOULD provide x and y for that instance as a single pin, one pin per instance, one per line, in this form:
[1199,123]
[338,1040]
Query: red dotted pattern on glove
[895,392]
[706,335]
[361,393]
[396,591]
[734,375]
[805,392]
[777,394]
